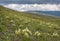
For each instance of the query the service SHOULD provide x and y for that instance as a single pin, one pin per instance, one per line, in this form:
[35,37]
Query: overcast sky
[31,1]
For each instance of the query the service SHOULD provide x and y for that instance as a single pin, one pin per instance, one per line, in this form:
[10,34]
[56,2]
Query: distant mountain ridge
[53,13]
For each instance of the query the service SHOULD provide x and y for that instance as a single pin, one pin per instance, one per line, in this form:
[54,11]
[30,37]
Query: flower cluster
[37,33]
[18,31]
[55,34]
[26,32]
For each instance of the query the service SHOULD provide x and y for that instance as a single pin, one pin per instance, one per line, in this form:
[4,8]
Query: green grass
[20,26]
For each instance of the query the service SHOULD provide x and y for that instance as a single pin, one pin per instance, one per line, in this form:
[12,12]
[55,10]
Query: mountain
[22,26]
[50,13]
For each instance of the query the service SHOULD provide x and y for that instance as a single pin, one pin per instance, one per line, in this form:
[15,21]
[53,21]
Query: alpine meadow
[23,26]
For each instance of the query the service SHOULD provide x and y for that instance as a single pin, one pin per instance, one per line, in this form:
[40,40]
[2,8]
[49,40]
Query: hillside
[20,26]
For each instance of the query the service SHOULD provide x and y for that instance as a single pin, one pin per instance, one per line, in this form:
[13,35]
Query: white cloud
[28,7]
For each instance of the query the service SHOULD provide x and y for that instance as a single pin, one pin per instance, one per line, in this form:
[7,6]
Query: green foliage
[48,27]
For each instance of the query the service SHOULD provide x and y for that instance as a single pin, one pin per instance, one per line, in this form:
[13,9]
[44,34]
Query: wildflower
[18,31]
[48,34]
[48,23]
[55,34]
[20,25]
[11,20]
[50,26]
[27,30]
[15,15]
[37,33]
[7,37]
[7,16]
[26,34]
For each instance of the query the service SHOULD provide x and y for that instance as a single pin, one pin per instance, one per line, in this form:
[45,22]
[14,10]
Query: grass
[20,26]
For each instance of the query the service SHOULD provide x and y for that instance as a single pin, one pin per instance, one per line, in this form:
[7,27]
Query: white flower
[55,34]
[7,37]
[26,34]
[7,16]
[11,20]
[48,23]
[50,26]
[27,30]
[15,15]
[48,34]
[37,33]
[18,31]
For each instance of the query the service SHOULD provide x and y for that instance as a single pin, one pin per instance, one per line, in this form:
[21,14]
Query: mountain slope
[20,26]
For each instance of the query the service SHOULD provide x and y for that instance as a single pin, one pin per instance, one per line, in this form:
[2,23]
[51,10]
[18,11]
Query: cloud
[34,7]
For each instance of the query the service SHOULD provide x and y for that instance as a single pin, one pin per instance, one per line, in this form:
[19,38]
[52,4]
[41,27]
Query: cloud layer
[34,7]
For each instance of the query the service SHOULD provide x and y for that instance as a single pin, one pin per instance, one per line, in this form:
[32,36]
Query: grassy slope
[10,21]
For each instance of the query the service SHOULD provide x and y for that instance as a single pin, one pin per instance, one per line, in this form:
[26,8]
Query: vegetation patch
[20,26]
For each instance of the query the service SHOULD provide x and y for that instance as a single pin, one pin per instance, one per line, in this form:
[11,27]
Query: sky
[31,1]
